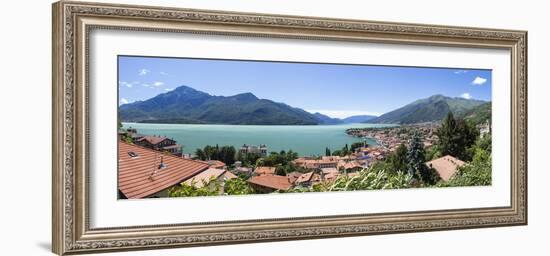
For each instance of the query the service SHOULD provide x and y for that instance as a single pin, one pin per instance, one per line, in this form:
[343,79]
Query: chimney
[161,165]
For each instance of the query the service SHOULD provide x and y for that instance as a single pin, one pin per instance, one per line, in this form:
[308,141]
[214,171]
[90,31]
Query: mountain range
[430,109]
[187,105]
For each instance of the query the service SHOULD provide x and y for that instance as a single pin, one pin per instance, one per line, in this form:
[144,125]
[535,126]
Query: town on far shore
[447,153]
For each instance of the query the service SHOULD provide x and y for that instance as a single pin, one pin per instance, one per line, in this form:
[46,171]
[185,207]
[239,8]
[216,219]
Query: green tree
[484,143]
[209,152]
[200,154]
[327,152]
[227,155]
[398,159]
[285,169]
[280,158]
[342,152]
[248,159]
[291,155]
[416,158]
[127,139]
[456,136]
[356,145]
[433,152]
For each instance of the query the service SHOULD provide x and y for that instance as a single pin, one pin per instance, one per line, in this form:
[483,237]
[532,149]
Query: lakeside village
[448,153]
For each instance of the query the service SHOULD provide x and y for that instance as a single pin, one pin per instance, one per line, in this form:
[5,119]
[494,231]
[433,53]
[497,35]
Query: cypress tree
[416,158]
[327,152]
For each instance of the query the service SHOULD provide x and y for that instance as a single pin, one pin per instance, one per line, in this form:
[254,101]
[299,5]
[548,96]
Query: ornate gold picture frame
[72,24]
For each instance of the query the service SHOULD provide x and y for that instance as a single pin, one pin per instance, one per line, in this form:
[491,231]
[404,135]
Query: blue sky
[334,90]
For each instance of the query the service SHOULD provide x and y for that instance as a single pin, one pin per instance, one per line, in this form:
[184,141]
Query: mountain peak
[438,97]
[433,108]
[184,88]
[247,96]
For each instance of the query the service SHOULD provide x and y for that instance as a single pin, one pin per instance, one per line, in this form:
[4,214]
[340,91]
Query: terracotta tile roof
[134,173]
[229,175]
[243,169]
[327,161]
[153,139]
[445,166]
[310,165]
[351,165]
[271,181]
[293,176]
[331,176]
[136,135]
[315,164]
[330,170]
[304,177]
[216,164]
[265,170]
[201,178]
[316,178]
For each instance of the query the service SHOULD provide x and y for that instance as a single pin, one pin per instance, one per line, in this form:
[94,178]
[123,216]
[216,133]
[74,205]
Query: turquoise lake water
[307,140]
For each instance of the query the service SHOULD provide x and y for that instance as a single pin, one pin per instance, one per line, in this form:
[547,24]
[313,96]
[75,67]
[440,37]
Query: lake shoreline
[307,140]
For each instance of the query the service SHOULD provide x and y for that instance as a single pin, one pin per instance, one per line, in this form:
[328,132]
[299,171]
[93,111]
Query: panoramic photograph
[210,127]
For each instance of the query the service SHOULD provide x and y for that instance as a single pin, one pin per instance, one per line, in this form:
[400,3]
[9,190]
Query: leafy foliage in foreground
[366,179]
[237,186]
[209,188]
[476,173]
[212,187]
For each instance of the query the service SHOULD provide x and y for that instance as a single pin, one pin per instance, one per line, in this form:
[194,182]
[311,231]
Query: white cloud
[163,73]
[145,85]
[129,85]
[157,84]
[169,89]
[466,96]
[123,101]
[343,113]
[461,72]
[479,80]
[144,71]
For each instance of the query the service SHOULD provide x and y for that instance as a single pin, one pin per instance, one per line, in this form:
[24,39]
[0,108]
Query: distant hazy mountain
[187,105]
[434,108]
[324,119]
[358,119]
